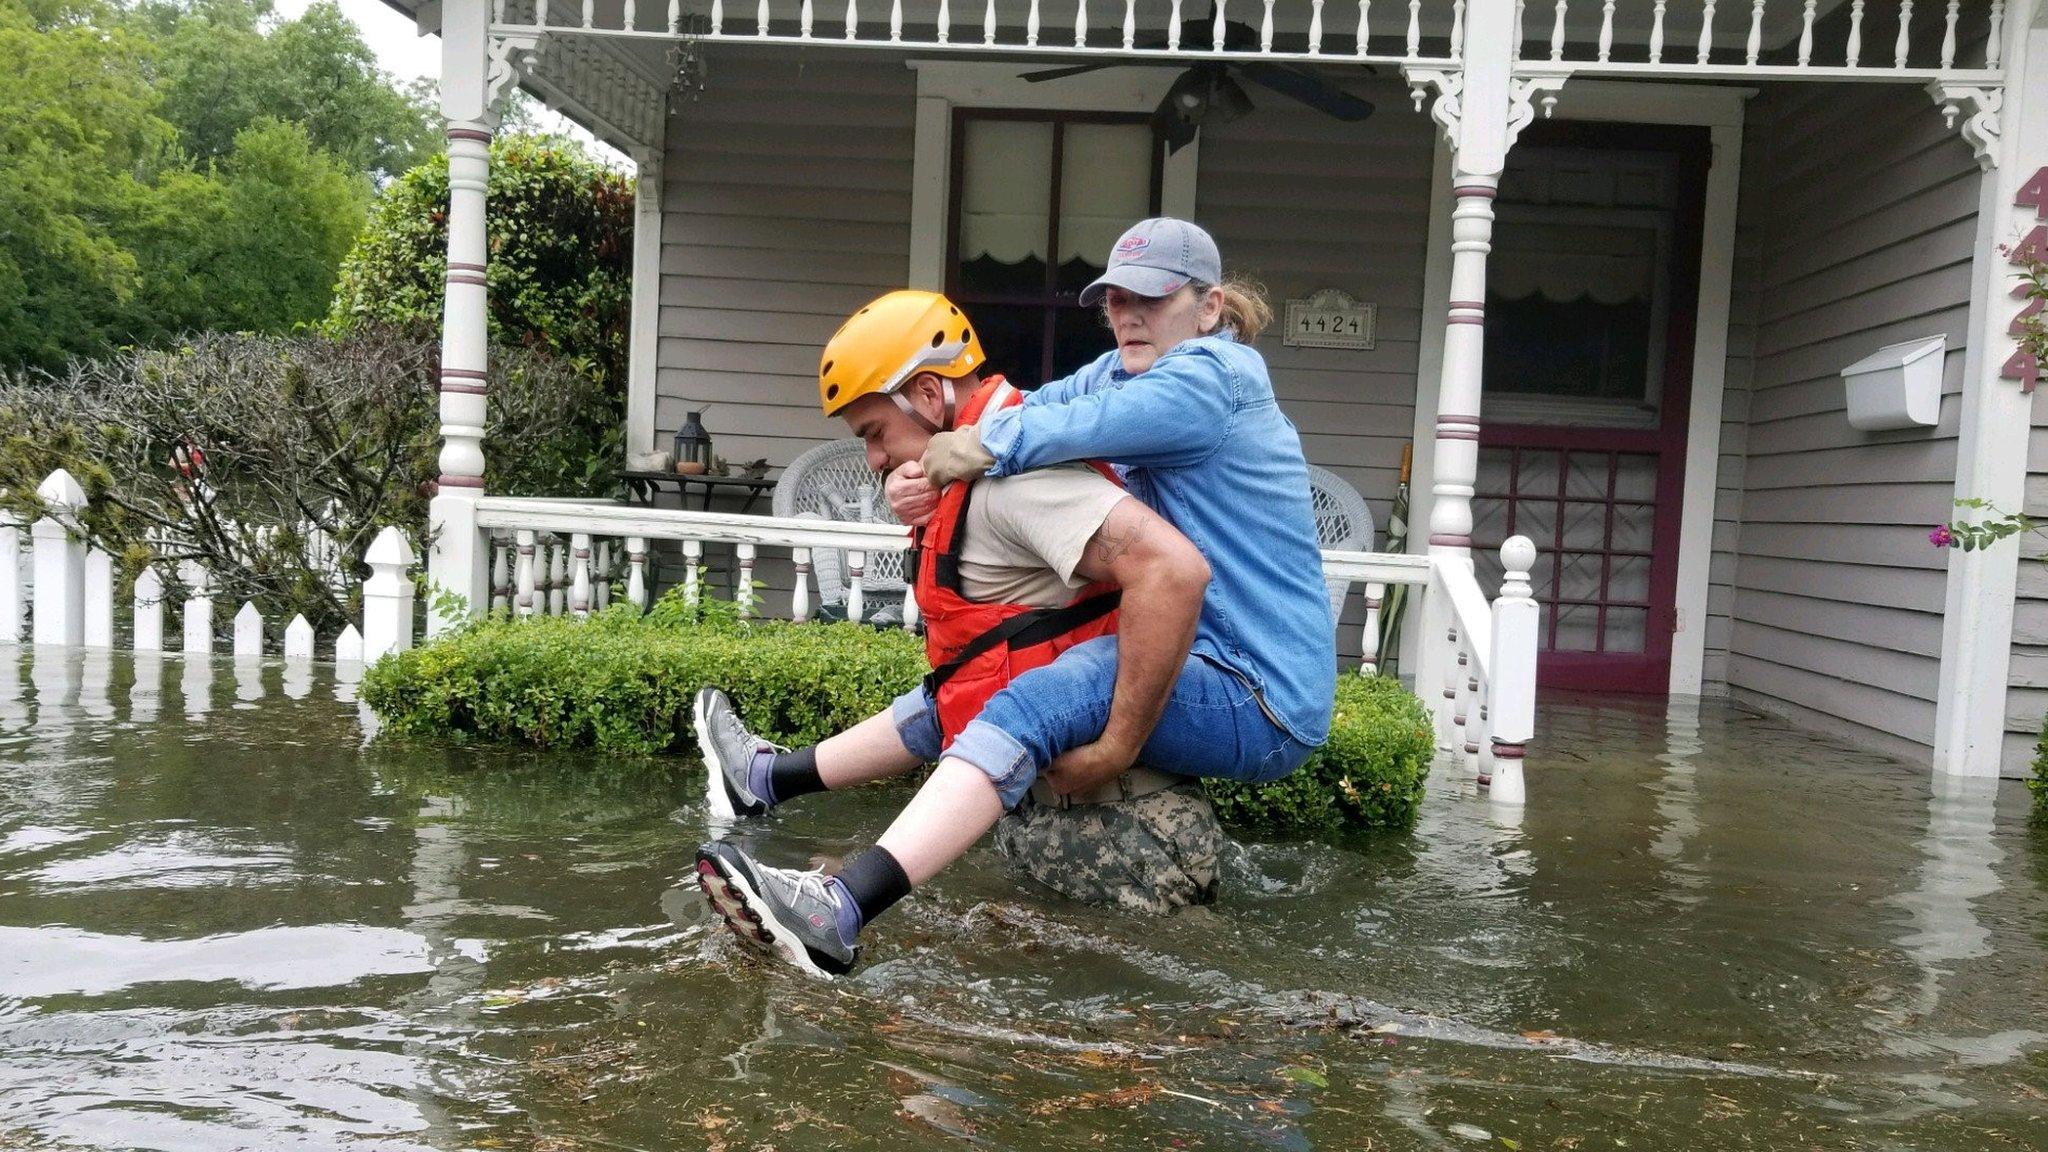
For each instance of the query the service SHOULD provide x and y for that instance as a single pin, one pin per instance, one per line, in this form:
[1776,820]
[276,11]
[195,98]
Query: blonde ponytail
[1245,311]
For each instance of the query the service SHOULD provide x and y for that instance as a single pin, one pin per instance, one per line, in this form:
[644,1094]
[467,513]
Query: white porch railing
[549,555]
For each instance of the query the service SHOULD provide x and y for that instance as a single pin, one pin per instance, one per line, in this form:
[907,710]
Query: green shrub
[1369,774]
[2039,784]
[623,683]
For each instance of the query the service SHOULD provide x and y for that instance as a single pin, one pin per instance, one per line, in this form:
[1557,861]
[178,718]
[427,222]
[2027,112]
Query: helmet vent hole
[827,369]
[831,390]
[938,337]
[965,335]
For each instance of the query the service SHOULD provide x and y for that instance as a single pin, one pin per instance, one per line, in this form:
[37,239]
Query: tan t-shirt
[1025,534]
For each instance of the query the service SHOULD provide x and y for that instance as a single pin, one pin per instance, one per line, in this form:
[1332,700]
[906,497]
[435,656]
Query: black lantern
[693,446]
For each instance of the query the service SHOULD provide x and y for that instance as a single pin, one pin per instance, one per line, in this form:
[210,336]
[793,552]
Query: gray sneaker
[729,751]
[780,911]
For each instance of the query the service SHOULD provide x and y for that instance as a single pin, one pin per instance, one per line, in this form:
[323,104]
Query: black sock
[793,774]
[875,881]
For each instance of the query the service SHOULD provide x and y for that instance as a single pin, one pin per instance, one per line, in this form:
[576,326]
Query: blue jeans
[1213,724]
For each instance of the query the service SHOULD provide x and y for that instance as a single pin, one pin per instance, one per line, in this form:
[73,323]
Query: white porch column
[1991,444]
[459,561]
[644,338]
[60,562]
[1480,139]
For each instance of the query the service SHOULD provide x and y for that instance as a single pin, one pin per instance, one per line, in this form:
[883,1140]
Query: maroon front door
[1593,285]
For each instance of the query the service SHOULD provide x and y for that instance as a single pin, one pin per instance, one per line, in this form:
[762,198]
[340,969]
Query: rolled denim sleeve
[1173,416]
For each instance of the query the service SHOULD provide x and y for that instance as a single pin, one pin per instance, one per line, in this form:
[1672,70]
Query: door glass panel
[1105,187]
[1005,218]
[1585,525]
[1626,630]
[1578,628]
[1628,578]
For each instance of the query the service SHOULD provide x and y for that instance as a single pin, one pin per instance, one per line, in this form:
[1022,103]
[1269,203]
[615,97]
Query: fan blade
[1308,88]
[1061,73]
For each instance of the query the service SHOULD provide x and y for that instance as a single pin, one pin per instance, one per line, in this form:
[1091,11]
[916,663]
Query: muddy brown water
[228,921]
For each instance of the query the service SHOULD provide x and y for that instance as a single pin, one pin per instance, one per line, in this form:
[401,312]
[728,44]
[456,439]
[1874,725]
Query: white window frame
[943,85]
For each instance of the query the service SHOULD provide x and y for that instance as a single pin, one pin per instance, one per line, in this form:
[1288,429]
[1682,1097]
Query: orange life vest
[974,648]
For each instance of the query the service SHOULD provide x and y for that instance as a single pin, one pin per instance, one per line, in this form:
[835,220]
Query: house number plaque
[1329,319]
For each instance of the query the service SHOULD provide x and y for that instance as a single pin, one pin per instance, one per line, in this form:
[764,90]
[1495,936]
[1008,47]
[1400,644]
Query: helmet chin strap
[910,410]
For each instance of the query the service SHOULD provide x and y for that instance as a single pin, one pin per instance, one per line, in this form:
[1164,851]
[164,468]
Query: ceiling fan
[1208,93]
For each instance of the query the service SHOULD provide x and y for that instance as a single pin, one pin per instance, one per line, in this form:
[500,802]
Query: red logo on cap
[1130,247]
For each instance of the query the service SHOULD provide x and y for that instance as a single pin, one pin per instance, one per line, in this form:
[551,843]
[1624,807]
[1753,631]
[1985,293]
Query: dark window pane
[1013,335]
[985,275]
[1079,336]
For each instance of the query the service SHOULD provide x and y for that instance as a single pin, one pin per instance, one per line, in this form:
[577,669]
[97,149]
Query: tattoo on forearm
[1111,542]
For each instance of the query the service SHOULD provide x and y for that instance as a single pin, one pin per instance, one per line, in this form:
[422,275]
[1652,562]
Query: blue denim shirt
[1202,441]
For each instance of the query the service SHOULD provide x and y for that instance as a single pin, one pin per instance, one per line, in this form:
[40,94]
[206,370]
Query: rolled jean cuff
[1000,757]
[917,724]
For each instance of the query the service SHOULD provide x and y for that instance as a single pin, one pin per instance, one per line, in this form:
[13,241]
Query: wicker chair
[833,482]
[1342,521]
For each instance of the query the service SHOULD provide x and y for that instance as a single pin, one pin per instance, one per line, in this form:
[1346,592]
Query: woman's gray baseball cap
[1155,257]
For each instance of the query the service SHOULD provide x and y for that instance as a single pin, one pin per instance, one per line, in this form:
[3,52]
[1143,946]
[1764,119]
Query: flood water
[227,921]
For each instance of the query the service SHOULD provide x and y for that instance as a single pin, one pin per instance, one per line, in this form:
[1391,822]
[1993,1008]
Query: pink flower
[1941,537]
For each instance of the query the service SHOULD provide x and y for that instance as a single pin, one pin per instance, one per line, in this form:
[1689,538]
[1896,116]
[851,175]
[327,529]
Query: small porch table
[641,487]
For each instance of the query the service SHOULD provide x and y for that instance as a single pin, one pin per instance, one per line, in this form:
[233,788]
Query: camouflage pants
[1152,854]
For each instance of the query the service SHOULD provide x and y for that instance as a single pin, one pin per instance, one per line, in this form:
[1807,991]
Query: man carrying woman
[1185,409]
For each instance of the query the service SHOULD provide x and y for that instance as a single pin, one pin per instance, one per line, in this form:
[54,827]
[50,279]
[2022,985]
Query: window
[1038,199]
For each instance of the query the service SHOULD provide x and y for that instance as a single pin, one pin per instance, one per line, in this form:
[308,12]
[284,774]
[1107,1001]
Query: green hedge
[622,683]
[2039,784]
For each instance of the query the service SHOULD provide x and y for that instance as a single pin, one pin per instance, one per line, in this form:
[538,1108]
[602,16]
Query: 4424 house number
[1329,319]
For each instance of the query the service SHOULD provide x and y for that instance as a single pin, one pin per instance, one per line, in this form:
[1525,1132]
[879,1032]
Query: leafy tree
[560,228]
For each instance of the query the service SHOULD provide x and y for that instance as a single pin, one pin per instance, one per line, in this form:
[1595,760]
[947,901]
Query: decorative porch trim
[1981,127]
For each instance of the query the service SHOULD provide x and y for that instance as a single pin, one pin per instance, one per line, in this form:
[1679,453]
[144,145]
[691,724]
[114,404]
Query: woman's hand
[911,497]
[955,455]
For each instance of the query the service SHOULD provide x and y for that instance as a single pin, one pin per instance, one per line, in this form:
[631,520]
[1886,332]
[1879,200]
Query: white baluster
[1657,32]
[1855,49]
[1414,28]
[558,578]
[1904,44]
[10,579]
[675,16]
[99,599]
[59,562]
[298,639]
[946,21]
[693,559]
[198,607]
[1217,30]
[1461,701]
[1516,37]
[1031,25]
[588,11]
[988,21]
[1511,693]
[1806,34]
[910,612]
[1315,28]
[1369,637]
[248,630]
[497,11]
[523,603]
[1557,33]
[501,578]
[1458,30]
[1266,29]
[1948,36]
[1080,23]
[387,595]
[800,599]
[1994,46]
[632,17]
[1756,30]
[579,586]
[1706,33]
[1607,30]
[636,572]
[540,13]
[1364,33]
[743,588]
[1469,702]
[856,563]
[717,17]
[1447,711]
[601,593]
[895,21]
[761,18]
[149,611]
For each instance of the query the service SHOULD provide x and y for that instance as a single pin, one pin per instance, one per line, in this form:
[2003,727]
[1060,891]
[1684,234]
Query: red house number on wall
[2032,249]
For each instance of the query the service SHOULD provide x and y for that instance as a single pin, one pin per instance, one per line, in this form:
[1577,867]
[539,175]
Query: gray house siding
[1857,226]
[2026,700]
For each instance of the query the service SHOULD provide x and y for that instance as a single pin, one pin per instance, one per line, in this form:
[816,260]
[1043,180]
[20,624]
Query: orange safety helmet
[895,337]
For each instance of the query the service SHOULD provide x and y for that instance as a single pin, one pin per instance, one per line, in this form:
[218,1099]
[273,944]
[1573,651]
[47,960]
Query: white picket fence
[65,591]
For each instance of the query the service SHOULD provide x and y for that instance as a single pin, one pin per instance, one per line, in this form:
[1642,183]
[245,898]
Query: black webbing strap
[1024,630]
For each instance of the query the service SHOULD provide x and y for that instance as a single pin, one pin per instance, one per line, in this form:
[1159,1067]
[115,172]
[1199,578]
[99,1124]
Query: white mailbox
[1897,386]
